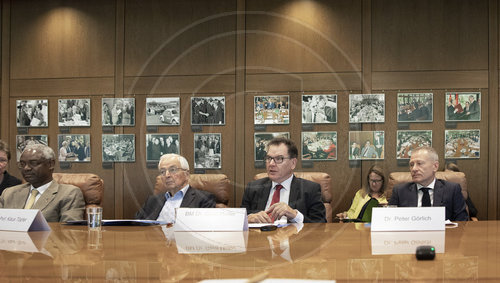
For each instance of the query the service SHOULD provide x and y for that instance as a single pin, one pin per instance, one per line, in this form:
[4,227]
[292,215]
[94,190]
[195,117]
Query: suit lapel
[47,196]
[438,194]
[414,195]
[21,196]
[188,198]
[294,192]
[266,189]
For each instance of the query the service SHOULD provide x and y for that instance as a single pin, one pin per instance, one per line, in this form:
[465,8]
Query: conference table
[332,251]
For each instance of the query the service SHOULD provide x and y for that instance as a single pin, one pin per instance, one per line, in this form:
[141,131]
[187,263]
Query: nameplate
[408,218]
[22,220]
[211,219]
[23,241]
[388,243]
[211,242]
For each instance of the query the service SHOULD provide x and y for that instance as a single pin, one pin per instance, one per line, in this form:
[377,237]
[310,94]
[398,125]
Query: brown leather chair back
[323,179]
[217,184]
[405,177]
[92,186]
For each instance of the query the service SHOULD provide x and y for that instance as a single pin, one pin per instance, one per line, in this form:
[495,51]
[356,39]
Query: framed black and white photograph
[462,144]
[409,140]
[118,148]
[319,109]
[317,146]
[73,112]
[32,113]
[73,148]
[368,145]
[271,110]
[24,140]
[163,111]
[118,111]
[366,108]
[463,106]
[207,151]
[160,144]
[415,107]
[262,139]
[208,110]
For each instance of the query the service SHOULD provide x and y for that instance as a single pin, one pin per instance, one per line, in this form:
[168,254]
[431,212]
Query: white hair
[184,163]
[47,152]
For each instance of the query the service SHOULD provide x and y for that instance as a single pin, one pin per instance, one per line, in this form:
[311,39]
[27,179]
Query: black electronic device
[425,253]
[268,228]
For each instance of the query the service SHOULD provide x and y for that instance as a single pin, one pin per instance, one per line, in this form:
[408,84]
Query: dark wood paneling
[61,39]
[303,82]
[303,36]
[182,38]
[429,35]
[179,84]
[61,87]
[430,80]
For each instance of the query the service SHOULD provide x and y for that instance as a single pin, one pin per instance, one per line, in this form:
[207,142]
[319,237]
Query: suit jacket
[305,196]
[193,198]
[8,181]
[446,194]
[59,203]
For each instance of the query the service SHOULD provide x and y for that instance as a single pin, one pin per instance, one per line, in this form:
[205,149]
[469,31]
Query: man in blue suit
[426,190]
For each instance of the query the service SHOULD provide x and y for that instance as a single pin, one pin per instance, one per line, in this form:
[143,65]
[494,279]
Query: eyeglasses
[3,160]
[171,170]
[277,159]
[31,163]
[376,181]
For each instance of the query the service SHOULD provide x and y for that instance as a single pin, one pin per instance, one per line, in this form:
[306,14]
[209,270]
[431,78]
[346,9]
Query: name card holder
[22,220]
[211,219]
[211,242]
[408,219]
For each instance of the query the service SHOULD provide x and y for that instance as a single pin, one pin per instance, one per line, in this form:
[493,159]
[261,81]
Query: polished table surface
[340,251]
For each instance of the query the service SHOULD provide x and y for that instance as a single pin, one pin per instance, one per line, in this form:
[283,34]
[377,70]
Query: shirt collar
[430,186]
[42,188]
[182,192]
[286,184]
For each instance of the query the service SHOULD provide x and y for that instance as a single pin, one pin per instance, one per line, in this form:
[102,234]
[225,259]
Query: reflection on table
[340,251]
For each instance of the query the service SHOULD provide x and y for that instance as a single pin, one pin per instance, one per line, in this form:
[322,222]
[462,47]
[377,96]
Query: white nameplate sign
[408,218]
[22,220]
[211,219]
[388,243]
[211,242]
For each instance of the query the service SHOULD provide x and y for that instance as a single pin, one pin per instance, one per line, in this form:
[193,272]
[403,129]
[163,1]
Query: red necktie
[276,196]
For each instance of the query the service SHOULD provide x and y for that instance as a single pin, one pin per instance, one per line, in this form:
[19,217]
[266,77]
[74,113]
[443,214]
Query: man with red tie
[281,195]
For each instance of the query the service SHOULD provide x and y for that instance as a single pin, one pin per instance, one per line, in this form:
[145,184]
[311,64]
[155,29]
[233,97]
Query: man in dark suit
[174,170]
[474,112]
[281,195]
[426,190]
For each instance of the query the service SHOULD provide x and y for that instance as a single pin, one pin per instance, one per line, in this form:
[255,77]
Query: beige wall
[146,48]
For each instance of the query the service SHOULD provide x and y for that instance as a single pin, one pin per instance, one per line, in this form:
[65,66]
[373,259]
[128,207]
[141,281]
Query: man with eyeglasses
[426,190]
[57,202]
[177,192]
[281,195]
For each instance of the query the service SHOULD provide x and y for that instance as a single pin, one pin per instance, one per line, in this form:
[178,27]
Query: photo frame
[207,151]
[32,113]
[415,107]
[463,107]
[366,145]
[367,108]
[73,112]
[462,144]
[118,148]
[262,139]
[409,140]
[271,110]
[319,109]
[159,144]
[118,111]
[210,110]
[74,148]
[163,111]
[319,146]
[24,140]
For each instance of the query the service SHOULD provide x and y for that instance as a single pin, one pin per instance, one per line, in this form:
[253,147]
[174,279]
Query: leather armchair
[217,184]
[323,179]
[92,186]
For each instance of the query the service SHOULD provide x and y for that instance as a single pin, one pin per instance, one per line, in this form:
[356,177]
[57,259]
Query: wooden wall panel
[215,83]
[303,36]
[61,39]
[61,87]
[429,35]
[303,82]
[182,38]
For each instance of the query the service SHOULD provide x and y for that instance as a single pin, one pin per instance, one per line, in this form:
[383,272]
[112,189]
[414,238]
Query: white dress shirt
[421,194]
[284,197]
